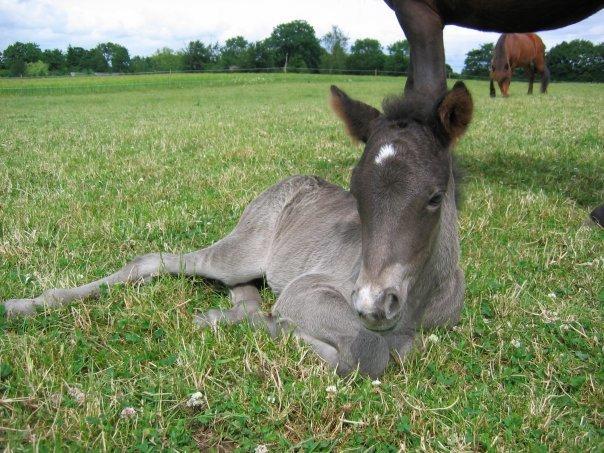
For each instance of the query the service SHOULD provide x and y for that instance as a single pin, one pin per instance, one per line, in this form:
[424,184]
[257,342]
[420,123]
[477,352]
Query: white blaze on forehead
[386,151]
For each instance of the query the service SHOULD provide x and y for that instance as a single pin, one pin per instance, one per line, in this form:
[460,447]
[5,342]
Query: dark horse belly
[516,16]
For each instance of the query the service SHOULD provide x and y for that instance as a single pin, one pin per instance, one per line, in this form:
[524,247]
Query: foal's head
[403,185]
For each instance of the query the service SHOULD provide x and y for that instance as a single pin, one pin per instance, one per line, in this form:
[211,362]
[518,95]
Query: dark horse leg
[544,79]
[541,68]
[423,28]
[531,75]
[492,91]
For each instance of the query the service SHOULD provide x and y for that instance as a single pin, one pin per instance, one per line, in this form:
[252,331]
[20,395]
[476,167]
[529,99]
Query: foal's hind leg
[232,260]
[238,258]
[246,303]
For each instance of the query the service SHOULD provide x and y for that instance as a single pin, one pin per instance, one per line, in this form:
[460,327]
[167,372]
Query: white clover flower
[516,343]
[552,295]
[377,382]
[331,389]
[128,412]
[77,394]
[271,399]
[261,449]
[195,400]
[433,338]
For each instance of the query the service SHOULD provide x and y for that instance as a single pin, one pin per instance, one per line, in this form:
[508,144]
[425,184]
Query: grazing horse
[518,50]
[356,272]
[423,20]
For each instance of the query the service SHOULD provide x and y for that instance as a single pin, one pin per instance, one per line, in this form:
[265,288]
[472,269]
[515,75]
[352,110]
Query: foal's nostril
[392,305]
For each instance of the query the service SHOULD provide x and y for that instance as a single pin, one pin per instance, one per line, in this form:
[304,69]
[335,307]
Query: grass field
[96,171]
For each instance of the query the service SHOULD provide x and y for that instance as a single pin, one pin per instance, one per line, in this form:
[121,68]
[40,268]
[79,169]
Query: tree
[366,55]
[120,58]
[198,56]
[478,61]
[397,59]
[16,56]
[295,41]
[166,59]
[577,60]
[17,68]
[95,61]
[233,53]
[116,56]
[37,69]
[335,44]
[259,55]
[75,58]
[55,59]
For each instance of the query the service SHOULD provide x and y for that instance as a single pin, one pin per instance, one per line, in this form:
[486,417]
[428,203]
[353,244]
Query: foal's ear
[356,115]
[454,112]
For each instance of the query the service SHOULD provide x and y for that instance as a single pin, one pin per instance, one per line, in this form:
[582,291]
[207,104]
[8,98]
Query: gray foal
[356,272]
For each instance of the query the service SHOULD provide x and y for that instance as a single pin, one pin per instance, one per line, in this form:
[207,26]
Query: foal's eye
[435,200]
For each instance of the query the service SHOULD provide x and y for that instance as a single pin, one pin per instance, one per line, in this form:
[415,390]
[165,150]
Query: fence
[90,83]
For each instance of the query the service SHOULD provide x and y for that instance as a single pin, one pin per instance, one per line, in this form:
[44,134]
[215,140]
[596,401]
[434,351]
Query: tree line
[292,46]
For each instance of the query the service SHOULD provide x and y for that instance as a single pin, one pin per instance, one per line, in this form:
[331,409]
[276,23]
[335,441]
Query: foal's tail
[544,79]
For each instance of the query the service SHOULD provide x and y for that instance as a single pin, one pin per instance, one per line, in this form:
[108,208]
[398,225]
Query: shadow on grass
[580,181]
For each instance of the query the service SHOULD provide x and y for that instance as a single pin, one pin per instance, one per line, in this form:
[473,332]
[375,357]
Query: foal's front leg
[322,317]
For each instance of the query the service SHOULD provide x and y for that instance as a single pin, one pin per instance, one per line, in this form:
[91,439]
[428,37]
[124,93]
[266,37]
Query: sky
[146,25]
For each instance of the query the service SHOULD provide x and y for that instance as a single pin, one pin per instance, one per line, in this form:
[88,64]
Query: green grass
[95,171]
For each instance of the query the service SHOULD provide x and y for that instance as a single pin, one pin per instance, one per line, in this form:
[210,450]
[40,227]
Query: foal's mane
[409,107]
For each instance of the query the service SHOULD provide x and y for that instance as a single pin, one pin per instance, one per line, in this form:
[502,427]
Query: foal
[356,272]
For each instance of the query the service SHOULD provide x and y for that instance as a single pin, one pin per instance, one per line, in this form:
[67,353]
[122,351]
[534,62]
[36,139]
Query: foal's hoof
[209,319]
[20,307]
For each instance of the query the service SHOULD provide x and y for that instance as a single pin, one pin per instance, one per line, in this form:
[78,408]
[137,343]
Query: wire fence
[62,84]
[274,69]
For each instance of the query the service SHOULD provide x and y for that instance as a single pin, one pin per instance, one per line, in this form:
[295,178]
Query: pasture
[95,171]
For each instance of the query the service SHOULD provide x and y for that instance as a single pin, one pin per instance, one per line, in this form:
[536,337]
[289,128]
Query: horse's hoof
[597,215]
[20,307]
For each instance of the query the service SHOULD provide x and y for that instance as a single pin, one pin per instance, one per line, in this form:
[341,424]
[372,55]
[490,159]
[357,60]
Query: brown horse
[518,50]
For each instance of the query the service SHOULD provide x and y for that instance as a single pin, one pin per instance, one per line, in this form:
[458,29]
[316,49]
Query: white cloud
[143,26]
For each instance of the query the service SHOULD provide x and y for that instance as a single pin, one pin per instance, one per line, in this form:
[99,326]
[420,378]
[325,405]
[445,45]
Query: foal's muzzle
[378,310]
